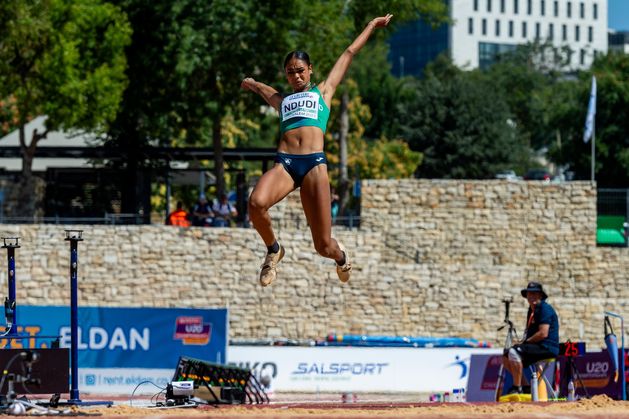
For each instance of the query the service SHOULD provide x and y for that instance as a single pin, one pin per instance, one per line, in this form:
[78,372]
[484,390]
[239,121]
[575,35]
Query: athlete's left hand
[382,20]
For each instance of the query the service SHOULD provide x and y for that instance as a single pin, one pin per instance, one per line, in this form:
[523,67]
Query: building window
[542,7]
[484,26]
[529,7]
[476,5]
[582,57]
[556,8]
[510,29]
[489,5]
[582,10]
[502,6]
[489,53]
[470,26]
[595,11]
[590,34]
[537,31]
[551,31]
[524,31]
[515,6]
[577,34]
[497,27]
[564,32]
[569,9]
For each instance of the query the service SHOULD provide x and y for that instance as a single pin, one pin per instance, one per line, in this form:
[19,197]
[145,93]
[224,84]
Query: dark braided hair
[300,55]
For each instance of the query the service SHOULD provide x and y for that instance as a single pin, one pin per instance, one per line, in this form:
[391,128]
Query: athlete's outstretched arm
[328,87]
[269,94]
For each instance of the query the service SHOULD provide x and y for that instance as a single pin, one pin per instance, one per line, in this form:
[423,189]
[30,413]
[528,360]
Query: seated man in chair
[541,337]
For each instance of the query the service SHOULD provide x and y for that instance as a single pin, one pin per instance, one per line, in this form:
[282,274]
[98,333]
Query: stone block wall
[431,257]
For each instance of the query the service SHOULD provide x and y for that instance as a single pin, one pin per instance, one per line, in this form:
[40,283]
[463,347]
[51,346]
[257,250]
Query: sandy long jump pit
[367,406]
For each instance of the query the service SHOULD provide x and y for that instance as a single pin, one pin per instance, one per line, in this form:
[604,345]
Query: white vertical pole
[593,159]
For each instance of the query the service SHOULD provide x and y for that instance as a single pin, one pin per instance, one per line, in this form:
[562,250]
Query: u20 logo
[597,367]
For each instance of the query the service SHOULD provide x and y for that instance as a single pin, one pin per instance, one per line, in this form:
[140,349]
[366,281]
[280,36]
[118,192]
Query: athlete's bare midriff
[302,140]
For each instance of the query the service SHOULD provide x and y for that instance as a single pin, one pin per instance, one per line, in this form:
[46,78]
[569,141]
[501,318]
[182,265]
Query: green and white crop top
[304,109]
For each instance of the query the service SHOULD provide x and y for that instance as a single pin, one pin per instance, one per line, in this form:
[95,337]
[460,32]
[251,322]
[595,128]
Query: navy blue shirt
[544,314]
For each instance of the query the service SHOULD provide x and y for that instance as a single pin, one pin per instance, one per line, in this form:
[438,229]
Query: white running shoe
[269,267]
[344,271]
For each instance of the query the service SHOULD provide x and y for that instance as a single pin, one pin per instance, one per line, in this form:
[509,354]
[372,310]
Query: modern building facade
[482,29]
[619,41]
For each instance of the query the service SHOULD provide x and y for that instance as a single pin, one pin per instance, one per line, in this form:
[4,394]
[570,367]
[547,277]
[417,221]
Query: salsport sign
[312,369]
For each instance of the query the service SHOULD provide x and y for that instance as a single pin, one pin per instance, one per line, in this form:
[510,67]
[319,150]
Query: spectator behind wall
[202,213]
[179,217]
[224,212]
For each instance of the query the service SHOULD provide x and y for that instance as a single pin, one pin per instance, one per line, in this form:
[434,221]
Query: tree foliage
[187,59]
[526,78]
[64,59]
[460,123]
[379,158]
[568,115]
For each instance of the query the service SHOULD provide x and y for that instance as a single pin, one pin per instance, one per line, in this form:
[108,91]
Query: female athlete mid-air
[300,160]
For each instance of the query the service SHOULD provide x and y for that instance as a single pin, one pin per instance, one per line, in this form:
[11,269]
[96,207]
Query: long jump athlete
[300,160]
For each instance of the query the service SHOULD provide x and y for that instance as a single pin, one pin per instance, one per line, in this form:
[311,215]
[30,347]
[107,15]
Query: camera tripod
[572,375]
[512,336]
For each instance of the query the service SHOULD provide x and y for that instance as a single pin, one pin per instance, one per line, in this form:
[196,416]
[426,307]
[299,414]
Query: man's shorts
[532,352]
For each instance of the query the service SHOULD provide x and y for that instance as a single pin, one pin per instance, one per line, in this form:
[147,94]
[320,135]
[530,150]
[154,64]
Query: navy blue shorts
[532,352]
[298,165]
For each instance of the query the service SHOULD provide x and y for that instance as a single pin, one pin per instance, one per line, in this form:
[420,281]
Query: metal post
[10,309]
[74,237]
[622,352]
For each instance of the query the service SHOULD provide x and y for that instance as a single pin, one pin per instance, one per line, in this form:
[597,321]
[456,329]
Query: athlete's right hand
[248,83]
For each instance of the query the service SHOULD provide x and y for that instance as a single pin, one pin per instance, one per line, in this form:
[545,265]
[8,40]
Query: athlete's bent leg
[315,199]
[272,187]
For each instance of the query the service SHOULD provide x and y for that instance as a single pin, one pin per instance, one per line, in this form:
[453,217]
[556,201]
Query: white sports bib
[304,105]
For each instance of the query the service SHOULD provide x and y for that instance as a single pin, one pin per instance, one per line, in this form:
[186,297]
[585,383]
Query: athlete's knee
[256,205]
[324,247]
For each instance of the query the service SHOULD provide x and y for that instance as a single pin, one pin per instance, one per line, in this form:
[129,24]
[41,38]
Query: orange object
[179,218]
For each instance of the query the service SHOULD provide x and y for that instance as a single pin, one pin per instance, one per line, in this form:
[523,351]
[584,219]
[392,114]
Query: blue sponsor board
[111,337]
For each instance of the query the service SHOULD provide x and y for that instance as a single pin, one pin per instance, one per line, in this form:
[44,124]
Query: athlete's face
[298,74]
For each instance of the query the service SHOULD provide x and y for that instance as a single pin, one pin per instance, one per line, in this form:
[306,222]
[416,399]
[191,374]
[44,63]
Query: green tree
[527,78]
[188,57]
[186,62]
[368,158]
[379,89]
[64,59]
[612,113]
[460,123]
[361,12]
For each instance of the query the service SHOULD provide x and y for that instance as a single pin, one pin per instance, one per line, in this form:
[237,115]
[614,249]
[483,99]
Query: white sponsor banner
[357,369]
[123,380]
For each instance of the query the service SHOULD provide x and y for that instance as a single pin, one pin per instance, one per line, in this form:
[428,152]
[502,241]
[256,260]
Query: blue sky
[618,14]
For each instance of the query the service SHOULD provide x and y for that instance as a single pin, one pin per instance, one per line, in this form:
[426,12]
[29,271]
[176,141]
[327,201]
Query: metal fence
[110,219]
[609,202]
[613,202]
